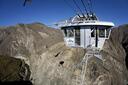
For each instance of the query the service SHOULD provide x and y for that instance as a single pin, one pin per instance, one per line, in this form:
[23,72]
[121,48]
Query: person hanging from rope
[26,1]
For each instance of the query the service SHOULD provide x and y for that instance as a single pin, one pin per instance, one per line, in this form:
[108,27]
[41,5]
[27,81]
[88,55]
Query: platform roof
[88,23]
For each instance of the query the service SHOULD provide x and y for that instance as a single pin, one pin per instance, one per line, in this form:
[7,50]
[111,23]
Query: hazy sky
[51,11]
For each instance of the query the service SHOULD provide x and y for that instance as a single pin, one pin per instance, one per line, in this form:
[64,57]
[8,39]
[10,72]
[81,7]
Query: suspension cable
[84,6]
[71,7]
[78,7]
[90,6]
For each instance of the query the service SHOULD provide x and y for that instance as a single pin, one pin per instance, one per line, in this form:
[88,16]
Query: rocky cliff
[45,58]
[112,69]
[37,53]
[115,54]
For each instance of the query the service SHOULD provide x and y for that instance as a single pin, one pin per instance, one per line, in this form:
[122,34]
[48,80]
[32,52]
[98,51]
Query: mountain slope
[37,53]
[43,50]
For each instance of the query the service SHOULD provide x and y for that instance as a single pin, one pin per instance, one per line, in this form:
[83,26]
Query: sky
[51,11]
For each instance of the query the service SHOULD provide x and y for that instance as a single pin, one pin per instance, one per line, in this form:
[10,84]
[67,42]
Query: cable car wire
[89,2]
[91,5]
[78,7]
[71,7]
[84,6]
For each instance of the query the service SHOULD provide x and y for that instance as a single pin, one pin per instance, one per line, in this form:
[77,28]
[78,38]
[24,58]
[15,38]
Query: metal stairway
[91,52]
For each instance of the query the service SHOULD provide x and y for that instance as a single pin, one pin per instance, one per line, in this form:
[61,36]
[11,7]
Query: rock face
[13,69]
[42,49]
[112,68]
[37,53]
[27,39]
[115,55]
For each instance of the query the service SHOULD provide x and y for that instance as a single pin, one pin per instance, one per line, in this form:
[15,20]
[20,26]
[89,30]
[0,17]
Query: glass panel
[65,32]
[92,32]
[107,32]
[77,36]
[101,32]
[70,32]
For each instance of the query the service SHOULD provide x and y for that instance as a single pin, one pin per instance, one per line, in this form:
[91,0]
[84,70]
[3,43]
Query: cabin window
[101,32]
[107,33]
[77,36]
[70,32]
[65,32]
[92,32]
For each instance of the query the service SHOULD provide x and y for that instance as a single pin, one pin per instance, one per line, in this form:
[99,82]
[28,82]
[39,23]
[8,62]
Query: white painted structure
[84,32]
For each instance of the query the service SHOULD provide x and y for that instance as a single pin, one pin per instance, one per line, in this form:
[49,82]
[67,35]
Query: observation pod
[84,32]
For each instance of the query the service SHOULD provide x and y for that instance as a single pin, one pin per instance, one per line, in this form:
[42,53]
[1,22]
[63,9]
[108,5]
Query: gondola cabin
[85,33]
